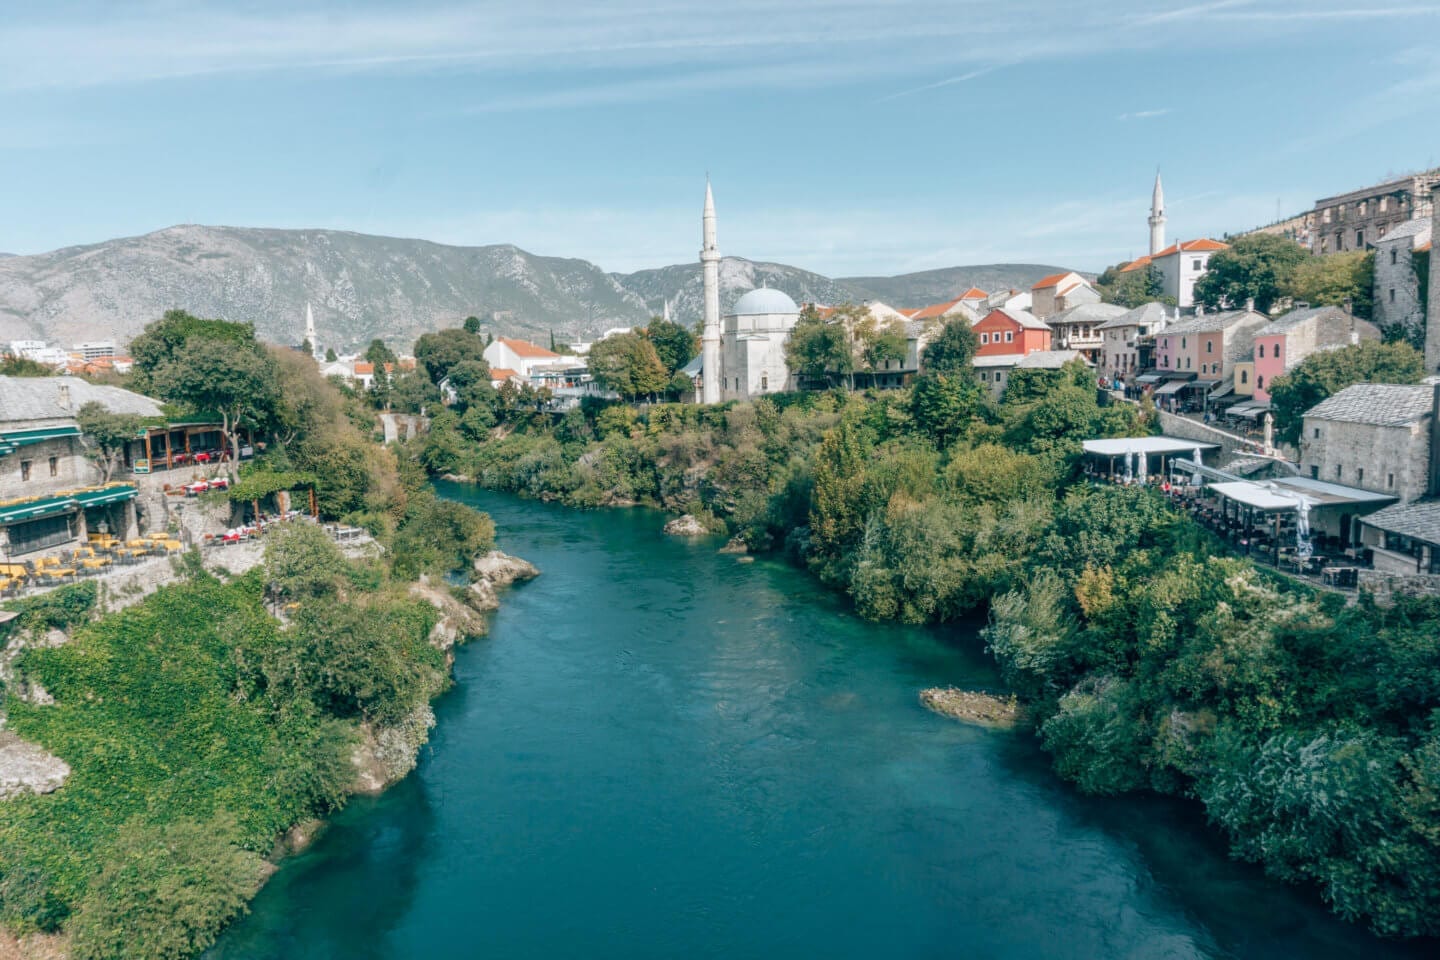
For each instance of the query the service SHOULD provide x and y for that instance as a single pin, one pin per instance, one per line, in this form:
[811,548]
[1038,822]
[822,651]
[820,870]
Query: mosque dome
[763,301]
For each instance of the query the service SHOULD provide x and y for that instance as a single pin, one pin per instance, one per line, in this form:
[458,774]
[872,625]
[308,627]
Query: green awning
[19,438]
[96,498]
[36,509]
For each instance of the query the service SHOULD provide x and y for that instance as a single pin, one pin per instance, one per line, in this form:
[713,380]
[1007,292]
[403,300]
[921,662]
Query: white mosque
[745,356]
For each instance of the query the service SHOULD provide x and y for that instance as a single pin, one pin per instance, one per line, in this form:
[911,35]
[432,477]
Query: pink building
[1283,343]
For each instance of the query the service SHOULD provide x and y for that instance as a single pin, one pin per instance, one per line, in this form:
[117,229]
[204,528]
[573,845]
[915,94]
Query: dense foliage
[1259,267]
[1151,658]
[1327,372]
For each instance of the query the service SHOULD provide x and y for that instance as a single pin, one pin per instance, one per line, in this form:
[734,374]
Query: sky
[844,137]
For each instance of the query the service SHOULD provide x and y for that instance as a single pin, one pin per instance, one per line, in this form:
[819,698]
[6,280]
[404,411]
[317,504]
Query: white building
[94,349]
[522,356]
[752,345]
[1181,264]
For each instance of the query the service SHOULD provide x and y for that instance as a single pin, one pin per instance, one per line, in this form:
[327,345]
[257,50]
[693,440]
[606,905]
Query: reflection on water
[661,752]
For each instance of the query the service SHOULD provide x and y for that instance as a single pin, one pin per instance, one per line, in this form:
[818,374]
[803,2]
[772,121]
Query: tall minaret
[310,336]
[1157,218]
[710,340]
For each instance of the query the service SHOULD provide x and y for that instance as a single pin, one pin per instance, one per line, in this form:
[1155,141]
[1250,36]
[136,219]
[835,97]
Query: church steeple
[710,340]
[1157,217]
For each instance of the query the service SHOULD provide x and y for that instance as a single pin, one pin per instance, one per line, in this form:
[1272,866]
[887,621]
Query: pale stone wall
[1397,289]
[73,469]
[1385,586]
[1391,460]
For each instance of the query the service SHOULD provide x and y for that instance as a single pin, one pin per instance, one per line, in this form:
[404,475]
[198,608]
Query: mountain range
[363,286]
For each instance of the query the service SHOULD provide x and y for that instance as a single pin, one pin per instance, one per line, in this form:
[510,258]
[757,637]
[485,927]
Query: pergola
[1272,500]
[1168,449]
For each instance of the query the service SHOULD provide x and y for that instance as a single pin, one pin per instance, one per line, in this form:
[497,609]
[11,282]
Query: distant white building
[520,355]
[94,349]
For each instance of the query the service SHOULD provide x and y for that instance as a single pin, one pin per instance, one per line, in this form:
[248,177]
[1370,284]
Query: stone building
[1356,220]
[1375,436]
[50,492]
[994,371]
[1283,343]
[1432,315]
[1121,336]
[752,345]
[1060,291]
[1078,328]
[1397,288]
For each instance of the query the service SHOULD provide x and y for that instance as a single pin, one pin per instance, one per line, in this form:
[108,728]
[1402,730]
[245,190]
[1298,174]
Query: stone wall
[1368,456]
[1384,587]
[1231,445]
[1397,289]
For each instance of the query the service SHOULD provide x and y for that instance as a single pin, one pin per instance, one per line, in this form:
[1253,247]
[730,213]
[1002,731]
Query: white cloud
[1144,114]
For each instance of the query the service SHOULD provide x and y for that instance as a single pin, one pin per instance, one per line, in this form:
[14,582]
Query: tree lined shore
[1146,655]
[204,723]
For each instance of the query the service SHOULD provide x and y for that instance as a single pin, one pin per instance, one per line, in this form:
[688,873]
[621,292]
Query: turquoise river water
[662,752]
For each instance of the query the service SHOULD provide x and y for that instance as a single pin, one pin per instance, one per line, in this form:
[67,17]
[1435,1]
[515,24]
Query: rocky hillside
[364,286]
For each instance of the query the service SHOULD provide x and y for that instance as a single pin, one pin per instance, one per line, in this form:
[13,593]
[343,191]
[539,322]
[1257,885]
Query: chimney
[65,395]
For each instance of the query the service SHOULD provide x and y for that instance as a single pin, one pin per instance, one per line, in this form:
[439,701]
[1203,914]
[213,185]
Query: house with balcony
[1078,328]
[1121,337]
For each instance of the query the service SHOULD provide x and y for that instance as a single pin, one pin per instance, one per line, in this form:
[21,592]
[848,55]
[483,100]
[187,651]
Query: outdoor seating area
[251,531]
[101,553]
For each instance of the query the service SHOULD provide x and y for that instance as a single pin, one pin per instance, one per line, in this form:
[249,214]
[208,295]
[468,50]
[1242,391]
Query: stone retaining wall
[1385,586]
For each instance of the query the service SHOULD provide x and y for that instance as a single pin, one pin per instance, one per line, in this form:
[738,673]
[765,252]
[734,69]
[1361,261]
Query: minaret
[310,336]
[1157,218]
[710,340]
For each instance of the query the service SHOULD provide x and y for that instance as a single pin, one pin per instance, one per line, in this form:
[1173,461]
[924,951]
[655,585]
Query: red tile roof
[526,349]
[363,367]
[1192,246]
[934,310]
[1136,264]
[1051,280]
[974,293]
[502,373]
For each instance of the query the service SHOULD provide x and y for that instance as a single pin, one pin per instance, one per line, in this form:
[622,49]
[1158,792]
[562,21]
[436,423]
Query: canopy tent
[1255,495]
[1150,378]
[1119,446]
[111,494]
[1174,386]
[36,509]
[1325,494]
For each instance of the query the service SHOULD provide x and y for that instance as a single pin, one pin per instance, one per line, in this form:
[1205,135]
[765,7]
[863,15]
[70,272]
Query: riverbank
[217,741]
[1150,658]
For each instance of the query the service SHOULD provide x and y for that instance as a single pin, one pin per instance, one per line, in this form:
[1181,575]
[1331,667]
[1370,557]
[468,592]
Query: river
[660,751]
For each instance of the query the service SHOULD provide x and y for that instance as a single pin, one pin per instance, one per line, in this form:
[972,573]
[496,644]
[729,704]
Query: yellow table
[95,563]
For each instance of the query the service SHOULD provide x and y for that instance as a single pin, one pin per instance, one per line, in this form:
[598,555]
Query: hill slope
[364,286]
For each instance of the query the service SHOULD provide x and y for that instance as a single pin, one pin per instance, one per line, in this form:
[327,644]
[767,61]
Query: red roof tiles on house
[1136,264]
[934,310]
[502,373]
[974,293]
[1051,280]
[524,348]
[1192,246]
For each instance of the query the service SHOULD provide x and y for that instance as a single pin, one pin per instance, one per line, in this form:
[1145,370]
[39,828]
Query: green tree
[944,406]
[234,378]
[385,363]
[953,350]
[1133,288]
[1337,279]
[330,356]
[106,434]
[675,345]
[470,379]
[165,891]
[628,364]
[438,352]
[302,562]
[471,325]
[819,349]
[1260,266]
[162,340]
[13,366]
[1327,372]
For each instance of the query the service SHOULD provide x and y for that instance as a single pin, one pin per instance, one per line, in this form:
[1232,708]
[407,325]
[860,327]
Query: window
[1317,433]
[1394,257]
[1009,336]
[1184,342]
[1390,482]
[765,379]
[1260,351]
[984,338]
[1363,204]
[1187,363]
[1260,383]
[984,376]
[1392,294]
[1209,346]
[54,466]
[1326,217]
[24,469]
[1314,473]
[1359,475]
[1339,242]
[1337,471]
[1195,264]
[1244,376]
[1384,202]
[39,534]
